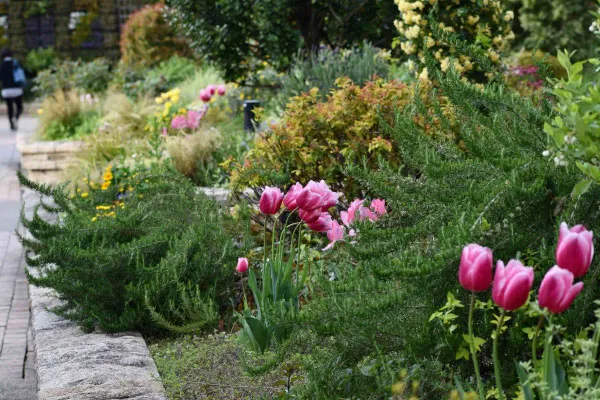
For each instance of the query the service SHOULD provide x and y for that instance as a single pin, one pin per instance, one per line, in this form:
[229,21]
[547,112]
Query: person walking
[12,78]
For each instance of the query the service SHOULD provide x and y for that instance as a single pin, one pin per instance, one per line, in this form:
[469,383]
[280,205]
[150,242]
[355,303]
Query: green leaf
[462,353]
[524,379]
[581,188]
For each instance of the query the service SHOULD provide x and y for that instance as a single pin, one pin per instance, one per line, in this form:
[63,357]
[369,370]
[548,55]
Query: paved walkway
[17,369]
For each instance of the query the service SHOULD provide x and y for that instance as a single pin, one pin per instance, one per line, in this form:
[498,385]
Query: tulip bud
[475,270]
[242,265]
[221,90]
[511,284]
[557,291]
[289,200]
[575,249]
[205,96]
[323,224]
[211,89]
[270,200]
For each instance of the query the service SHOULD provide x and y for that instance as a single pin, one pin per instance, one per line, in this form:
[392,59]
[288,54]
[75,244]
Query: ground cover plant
[117,264]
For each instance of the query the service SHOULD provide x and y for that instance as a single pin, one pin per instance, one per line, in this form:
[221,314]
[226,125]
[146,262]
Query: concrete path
[17,367]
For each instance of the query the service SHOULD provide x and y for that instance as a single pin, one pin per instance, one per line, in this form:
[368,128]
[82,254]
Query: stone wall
[46,162]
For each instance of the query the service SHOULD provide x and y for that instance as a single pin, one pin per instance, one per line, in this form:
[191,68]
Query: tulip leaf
[581,188]
[525,385]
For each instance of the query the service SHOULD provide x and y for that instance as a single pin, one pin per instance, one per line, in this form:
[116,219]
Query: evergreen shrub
[368,318]
[139,250]
[147,38]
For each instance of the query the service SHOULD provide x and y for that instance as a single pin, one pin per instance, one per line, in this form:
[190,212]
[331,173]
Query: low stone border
[72,364]
[45,162]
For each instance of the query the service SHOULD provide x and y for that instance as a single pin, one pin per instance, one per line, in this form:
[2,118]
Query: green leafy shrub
[147,38]
[232,34]
[85,77]
[482,24]
[369,314]
[322,68]
[316,139]
[40,59]
[139,250]
[553,25]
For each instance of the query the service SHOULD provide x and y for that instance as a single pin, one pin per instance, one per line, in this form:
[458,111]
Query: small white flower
[546,153]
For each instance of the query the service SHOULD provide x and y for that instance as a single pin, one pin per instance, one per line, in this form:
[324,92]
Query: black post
[249,117]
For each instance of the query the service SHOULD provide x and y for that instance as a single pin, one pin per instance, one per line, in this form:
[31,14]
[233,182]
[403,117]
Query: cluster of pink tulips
[511,283]
[190,120]
[313,202]
[208,92]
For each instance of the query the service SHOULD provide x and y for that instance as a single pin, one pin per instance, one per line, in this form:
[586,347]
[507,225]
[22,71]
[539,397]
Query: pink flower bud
[475,270]
[212,89]
[557,291]
[323,224]
[270,200]
[511,284]
[221,90]
[289,200]
[242,265]
[205,95]
[575,249]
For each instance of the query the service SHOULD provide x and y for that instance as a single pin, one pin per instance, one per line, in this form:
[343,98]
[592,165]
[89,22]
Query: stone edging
[72,364]
[44,162]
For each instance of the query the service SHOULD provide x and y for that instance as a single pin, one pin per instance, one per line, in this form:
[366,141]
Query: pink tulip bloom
[193,119]
[289,200]
[212,89]
[316,196]
[323,224]
[575,249]
[205,95]
[270,200]
[511,284]
[365,213]
[242,265]
[378,206]
[557,291]
[221,90]
[335,234]
[475,270]
[349,216]
[309,216]
[179,122]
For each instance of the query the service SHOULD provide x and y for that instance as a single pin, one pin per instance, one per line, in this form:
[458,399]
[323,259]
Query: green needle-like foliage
[146,253]
[369,315]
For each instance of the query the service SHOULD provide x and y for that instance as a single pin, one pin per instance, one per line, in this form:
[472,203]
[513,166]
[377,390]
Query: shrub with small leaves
[480,22]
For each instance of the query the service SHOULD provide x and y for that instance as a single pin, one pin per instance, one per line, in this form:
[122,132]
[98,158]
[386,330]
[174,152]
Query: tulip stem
[496,359]
[473,350]
[534,342]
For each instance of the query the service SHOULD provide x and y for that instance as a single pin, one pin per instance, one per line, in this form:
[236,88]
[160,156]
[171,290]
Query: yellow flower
[105,185]
[472,20]
[94,219]
[168,104]
[509,16]
[241,96]
[85,194]
[103,208]
[40,111]
[158,100]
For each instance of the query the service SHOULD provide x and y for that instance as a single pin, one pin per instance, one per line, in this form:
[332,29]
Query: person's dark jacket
[7,76]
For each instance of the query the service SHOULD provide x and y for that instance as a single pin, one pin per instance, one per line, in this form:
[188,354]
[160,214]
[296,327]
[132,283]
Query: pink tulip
[205,95]
[316,196]
[323,224]
[212,89]
[335,234]
[349,216]
[365,213]
[193,119]
[557,291]
[378,206]
[221,90]
[575,249]
[270,200]
[475,270]
[242,265]
[309,216]
[179,122]
[511,284]
[289,200]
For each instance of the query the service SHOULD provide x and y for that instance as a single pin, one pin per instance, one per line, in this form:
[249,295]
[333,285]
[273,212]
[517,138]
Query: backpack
[19,74]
